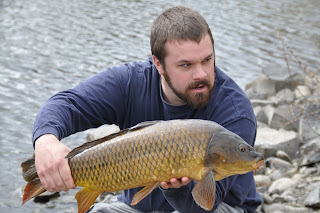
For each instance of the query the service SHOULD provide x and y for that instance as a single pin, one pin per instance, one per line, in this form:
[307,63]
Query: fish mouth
[258,164]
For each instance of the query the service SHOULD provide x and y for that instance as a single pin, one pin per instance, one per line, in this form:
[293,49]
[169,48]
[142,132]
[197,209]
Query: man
[180,81]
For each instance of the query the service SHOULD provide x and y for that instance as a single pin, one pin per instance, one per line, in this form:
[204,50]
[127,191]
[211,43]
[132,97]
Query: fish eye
[242,149]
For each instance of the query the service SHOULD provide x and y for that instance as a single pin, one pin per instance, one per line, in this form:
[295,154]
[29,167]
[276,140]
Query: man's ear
[158,64]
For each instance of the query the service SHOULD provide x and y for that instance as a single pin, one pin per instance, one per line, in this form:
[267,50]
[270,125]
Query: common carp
[151,152]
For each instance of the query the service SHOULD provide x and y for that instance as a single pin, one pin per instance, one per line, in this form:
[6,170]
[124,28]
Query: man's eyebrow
[210,55]
[185,61]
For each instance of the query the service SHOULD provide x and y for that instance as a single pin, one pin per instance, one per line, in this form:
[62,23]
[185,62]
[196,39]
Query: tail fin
[34,187]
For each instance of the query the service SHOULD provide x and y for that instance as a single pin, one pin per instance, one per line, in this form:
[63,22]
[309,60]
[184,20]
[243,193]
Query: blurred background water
[49,46]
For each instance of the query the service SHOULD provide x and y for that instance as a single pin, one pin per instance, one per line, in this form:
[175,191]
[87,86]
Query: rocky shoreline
[287,108]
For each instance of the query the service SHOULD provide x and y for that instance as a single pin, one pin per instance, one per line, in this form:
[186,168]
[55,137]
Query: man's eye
[185,65]
[207,59]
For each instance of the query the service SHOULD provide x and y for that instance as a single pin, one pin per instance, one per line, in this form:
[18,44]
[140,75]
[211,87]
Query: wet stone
[284,156]
[285,96]
[276,174]
[280,164]
[282,208]
[102,131]
[302,91]
[309,126]
[261,88]
[44,198]
[313,198]
[260,114]
[269,141]
[306,171]
[280,185]
[310,152]
[283,118]
[262,180]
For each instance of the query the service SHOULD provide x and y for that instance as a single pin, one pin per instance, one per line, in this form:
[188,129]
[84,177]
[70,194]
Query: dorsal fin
[90,144]
[142,125]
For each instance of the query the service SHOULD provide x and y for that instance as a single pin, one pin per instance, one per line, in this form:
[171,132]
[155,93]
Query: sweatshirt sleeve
[232,190]
[96,101]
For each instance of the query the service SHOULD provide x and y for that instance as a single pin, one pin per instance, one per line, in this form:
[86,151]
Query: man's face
[188,75]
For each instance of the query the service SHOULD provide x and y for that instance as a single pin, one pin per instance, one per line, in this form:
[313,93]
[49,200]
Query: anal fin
[85,198]
[204,192]
[143,193]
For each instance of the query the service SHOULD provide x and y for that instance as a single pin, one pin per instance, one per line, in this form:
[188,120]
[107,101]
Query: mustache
[196,84]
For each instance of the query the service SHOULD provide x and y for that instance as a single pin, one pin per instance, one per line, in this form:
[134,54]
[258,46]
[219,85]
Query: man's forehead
[185,50]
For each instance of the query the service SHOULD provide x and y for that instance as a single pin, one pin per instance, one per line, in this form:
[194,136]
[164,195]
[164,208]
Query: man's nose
[199,73]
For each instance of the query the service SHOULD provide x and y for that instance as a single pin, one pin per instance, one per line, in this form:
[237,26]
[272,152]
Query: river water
[49,46]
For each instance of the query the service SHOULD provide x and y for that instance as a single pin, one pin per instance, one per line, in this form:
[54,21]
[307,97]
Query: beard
[194,100]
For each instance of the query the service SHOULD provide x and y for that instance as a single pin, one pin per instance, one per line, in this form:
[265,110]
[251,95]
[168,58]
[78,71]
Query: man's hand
[51,164]
[175,183]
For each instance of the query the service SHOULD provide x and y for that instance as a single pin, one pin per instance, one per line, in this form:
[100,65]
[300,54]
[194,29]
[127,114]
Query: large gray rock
[281,165]
[283,77]
[281,185]
[264,114]
[313,198]
[285,96]
[260,88]
[102,131]
[260,114]
[302,91]
[269,141]
[310,152]
[283,117]
[309,125]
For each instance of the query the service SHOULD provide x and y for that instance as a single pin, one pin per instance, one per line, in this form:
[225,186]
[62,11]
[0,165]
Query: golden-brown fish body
[154,153]
[151,152]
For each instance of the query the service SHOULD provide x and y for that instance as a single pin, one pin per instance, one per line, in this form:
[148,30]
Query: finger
[58,182]
[43,181]
[46,179]
[175,182]
[185,180]
[164,185]
[51,186]
[66,177]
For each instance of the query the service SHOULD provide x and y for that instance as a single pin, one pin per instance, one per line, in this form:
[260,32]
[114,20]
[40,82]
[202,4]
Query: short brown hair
[177,23]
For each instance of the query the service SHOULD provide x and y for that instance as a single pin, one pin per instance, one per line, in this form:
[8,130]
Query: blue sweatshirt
[130,94]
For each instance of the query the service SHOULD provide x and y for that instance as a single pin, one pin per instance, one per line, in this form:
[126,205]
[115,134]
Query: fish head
[228,154]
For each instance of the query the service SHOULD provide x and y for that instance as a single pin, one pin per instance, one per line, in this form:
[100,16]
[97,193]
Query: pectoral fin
[143,193]
[85,198]
[204,192]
